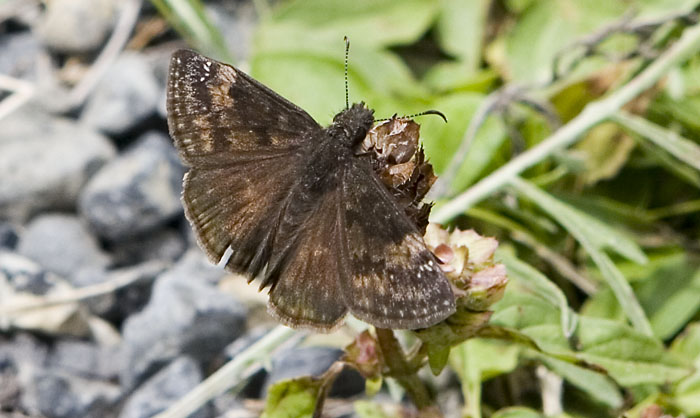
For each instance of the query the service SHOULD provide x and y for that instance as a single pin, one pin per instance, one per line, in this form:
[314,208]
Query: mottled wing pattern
[389,278]
[238,206]
[244,144]
[218,115]
[306,290]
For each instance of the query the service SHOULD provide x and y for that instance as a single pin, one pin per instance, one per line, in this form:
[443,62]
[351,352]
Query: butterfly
[298,205]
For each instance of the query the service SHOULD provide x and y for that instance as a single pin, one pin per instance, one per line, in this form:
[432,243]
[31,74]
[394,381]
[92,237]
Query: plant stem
[592,114]
[405,373]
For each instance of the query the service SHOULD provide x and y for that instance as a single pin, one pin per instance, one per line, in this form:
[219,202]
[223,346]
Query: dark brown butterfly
[299,206]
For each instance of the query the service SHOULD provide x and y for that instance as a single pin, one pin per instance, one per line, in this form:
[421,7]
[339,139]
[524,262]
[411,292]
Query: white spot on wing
[225,257]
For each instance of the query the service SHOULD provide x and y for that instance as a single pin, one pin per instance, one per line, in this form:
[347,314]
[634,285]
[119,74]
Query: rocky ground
[89,197]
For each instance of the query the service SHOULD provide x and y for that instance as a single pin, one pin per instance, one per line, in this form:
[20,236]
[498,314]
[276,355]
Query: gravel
[76,25]
[45,161]
[126,95]
[136,192]
[44,241]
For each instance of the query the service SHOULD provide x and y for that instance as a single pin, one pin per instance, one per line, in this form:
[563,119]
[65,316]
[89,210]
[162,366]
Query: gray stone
[54,394]
[23,353]
[164,389]
[49,381]
[314,361]
[194,265]
[117,306]
[135,193]
[126,95]
[76,25]
[45,161]
[10,389]
[62,244]
[19,54]
[20,356]
[164,244]
[25,275]
[185,315]
[9,235]
[85,359]
[159,60]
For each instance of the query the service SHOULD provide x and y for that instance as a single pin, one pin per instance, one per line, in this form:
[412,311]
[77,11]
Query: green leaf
[671,296]
[374,76]
[532,315]
[595,236]
[517,412]
[292,398]
[598,386]
[373,385]
[663,159]
[668,288]
[608,210]
[659,8]
[367,409]
[437,357]
[550,26]
[579,223]
[476,360]
[368,22]
[607,149]
[451,76]
[299,53]
[687,395]
[603,304]
[540,285]
[460,30]
[630,357]
[687,345]
[441,140]
[676,145]
[490,357]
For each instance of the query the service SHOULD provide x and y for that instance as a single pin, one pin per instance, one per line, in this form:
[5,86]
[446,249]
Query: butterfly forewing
[218,115]
[392,280]
[243,143]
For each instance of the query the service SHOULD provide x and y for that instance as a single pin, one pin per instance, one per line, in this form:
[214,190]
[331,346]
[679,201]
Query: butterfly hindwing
[238,206]
[390,278]
[218,115]
[306,292]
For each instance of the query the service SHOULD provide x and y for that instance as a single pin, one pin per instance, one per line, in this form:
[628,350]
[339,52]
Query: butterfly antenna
[347,49]
[415,115]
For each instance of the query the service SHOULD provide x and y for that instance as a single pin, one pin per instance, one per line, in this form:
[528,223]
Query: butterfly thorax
[350,126]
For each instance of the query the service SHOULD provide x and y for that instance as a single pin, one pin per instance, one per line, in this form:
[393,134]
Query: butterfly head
[351,125]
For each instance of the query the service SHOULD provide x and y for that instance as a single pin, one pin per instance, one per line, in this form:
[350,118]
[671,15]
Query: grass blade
[595,236]
[190,20]
[676,145]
